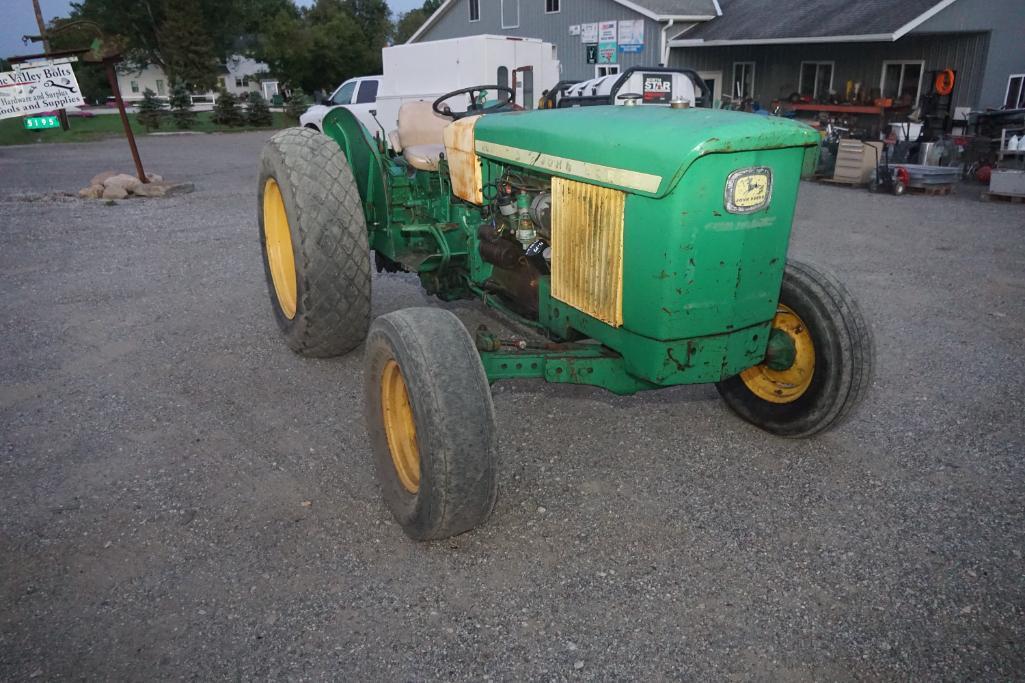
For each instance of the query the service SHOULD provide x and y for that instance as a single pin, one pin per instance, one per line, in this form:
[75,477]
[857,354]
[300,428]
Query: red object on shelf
[839,108]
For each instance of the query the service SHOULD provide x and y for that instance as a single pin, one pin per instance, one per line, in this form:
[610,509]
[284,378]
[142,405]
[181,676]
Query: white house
[238,75]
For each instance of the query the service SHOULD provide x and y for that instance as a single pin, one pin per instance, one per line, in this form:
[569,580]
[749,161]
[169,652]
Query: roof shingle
[772,20]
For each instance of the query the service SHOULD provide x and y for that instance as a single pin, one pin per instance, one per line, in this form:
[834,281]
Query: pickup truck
[358,95]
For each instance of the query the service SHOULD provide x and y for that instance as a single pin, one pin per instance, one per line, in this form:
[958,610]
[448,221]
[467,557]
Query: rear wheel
[431,423]
[830,367]
[313,236]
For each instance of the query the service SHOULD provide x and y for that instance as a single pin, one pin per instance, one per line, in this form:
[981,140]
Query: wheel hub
[399,427]
[789,364]
[278,240]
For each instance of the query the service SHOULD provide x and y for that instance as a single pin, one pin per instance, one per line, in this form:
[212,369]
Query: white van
[358,95]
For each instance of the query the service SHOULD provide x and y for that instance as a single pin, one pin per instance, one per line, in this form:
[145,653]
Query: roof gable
[755,21]
[656,10]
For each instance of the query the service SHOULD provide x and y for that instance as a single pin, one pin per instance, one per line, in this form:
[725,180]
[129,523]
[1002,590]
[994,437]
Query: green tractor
[641,247]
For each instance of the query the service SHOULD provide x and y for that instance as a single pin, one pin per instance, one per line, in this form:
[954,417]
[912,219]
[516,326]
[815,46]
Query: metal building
[769,50]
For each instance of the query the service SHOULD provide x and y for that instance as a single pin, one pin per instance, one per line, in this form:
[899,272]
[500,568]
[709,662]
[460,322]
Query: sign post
[112,79]
[101,51]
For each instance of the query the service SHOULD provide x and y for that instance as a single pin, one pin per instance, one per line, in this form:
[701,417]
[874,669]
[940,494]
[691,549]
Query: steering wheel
[476,94]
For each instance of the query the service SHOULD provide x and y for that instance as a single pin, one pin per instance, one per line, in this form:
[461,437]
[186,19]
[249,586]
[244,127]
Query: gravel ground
[184,498]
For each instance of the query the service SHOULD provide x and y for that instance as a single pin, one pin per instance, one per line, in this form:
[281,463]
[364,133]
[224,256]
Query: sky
[20,20]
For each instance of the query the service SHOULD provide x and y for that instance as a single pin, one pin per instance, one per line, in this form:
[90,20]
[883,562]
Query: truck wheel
[431,423]
[316,256]
[832,363]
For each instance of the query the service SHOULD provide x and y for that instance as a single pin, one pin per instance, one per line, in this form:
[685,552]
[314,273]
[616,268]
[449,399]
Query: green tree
[296,105]
[326,44]
[141,24]
[151,110]
[92,78]
[181,106]
[186,49]
[410,21]
[258,112]
[226,110]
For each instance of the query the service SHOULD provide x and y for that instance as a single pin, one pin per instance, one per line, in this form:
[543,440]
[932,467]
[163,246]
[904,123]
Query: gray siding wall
[777,67]
[552,28]
[1005,22]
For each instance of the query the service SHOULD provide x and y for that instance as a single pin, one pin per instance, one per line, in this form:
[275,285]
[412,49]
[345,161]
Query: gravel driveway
[182,497]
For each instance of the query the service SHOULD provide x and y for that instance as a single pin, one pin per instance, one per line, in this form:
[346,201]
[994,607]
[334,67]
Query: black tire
[329,241]
[844,356]
[454,420]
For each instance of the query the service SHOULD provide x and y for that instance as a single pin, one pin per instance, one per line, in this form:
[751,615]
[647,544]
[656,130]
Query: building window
[551,6]
[367,91]
[160,87]
[605,70]
[135,86]
[474,10]
[1015,98]
[743,80]
[816,79]
[510,13]
[902,80]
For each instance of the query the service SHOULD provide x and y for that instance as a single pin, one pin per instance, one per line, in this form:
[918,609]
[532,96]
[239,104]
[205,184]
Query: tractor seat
[420,137]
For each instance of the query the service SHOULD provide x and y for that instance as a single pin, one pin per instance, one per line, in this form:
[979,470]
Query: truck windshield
[344,94]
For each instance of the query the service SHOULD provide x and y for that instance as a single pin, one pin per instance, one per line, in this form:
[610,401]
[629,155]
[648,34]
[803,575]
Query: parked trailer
[425,71]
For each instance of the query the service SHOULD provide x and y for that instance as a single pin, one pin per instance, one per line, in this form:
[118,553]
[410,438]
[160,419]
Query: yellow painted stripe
[634,180]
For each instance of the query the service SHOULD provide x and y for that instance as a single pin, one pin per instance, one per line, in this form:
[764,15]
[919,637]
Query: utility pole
[61,114]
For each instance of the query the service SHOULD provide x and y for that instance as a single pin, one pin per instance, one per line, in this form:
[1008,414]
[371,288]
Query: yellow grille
[587,248]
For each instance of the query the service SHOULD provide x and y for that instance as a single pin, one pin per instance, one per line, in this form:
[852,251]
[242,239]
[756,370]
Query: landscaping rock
[162,189]
[94,191]
[101,178]
[115,192]
[154,178]
[126,182]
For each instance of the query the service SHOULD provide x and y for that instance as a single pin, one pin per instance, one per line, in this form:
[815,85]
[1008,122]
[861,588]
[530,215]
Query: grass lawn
[12,132]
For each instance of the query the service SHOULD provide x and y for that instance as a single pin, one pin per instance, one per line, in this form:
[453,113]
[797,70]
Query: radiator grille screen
[587,248]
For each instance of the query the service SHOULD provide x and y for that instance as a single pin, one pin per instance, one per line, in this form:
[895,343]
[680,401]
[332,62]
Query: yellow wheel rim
[785,386]
[399,427]
[278,239]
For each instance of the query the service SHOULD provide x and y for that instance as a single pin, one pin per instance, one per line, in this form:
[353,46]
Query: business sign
[658,88]
[631,33]
[606,42]
[39,88]
[40,122]
[592,54]
[589,33]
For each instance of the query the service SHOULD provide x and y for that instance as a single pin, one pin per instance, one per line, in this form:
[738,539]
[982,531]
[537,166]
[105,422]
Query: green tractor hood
[642,150]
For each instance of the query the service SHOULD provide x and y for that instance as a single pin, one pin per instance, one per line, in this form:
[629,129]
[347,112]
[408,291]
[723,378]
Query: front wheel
[829,357]
[431,423]
[316,255]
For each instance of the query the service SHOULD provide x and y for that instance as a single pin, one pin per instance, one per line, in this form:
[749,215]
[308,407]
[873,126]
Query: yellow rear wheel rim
[785,386]
[399,427]
[278,238]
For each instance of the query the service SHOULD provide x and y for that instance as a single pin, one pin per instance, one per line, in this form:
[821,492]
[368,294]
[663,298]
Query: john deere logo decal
[748,190]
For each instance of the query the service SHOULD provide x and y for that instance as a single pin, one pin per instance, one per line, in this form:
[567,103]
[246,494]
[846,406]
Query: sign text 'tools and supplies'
[37,89]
